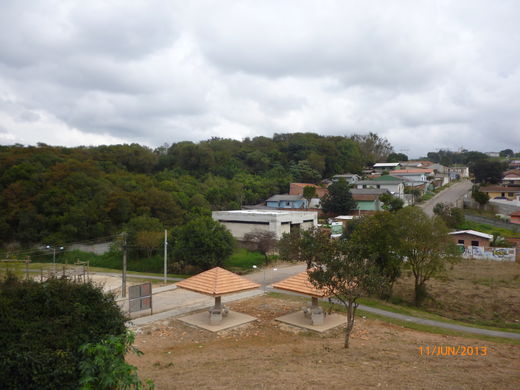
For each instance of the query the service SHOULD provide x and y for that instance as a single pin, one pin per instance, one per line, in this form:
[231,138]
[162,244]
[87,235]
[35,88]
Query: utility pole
[165,255]
[123,287]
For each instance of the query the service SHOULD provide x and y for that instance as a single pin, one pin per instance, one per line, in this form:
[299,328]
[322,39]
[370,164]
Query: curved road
[450,195]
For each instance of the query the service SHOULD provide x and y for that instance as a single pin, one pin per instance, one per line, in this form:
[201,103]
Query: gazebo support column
[317,313]
[217,312]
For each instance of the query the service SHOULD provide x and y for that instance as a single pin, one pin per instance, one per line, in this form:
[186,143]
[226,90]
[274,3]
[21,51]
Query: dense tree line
[59,195]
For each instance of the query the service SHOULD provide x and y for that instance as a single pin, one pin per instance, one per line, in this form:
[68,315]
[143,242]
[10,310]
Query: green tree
[307,245]
[507,153]
[374,238]
[396,157]
[480,197]
[373,148]
[103,365]
[346,276]
[43,325]
[452,216]
[203,242]
[390,202]
[488,171]
[304,172]
[309,192]
[425,244]
[339,199]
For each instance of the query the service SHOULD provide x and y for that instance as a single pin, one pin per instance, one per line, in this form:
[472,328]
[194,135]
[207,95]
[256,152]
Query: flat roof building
[241,222]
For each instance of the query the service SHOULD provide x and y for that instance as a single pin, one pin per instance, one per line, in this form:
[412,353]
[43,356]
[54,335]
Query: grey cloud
[443,74]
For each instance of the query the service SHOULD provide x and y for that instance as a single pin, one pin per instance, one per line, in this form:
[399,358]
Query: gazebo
[217,282]
[300,284]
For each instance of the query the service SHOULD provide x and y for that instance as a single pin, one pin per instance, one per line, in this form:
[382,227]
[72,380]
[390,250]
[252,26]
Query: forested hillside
[57,194]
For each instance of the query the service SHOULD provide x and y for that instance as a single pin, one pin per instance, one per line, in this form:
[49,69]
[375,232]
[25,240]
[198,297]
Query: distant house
[416,174]
[286,201]
[297,189]
[459,171]
[514,164]
[394,185]
[380,167]
[515,217]
[415,164]
[471,238]
[501,192]
[367,200]
[511,178]
[350,178]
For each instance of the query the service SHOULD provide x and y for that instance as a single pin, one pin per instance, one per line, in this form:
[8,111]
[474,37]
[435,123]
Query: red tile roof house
[515,217]
[511,177]
[472,238]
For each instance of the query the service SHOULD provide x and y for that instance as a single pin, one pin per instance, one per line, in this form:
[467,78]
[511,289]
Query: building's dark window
[474,243]
[461,242]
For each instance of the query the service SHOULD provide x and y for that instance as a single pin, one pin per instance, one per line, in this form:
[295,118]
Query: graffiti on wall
[480,252]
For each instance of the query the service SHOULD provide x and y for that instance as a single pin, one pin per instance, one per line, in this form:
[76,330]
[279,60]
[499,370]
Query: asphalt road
[450,195]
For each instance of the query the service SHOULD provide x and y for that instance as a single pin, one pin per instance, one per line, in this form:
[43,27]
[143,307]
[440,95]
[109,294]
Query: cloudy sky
[424,74]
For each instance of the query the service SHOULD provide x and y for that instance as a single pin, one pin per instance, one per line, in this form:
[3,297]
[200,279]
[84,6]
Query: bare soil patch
[473,291]
[269,355]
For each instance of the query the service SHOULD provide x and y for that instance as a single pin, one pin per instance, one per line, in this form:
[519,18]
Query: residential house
[297,189]
[350,178]
[458,172]
[511,178]
[394,185]
[241,222]
[514,164]
[515,217]
[286,201]
[472,238]
[367,200]
[501,192]
[380,167]
[416,174]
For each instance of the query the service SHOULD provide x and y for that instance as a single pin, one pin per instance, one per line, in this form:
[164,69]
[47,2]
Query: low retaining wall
[488,253]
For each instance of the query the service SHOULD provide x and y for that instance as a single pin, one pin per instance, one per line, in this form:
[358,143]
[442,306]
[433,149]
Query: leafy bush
[43,325]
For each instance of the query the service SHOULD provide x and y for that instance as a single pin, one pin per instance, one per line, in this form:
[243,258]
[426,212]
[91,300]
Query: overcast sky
[424,74]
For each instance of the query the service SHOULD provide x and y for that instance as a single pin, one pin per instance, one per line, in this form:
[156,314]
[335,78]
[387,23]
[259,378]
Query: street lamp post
[54,254]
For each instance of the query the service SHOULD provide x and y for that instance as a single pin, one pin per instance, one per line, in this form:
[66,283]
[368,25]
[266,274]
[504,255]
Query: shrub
[43,325]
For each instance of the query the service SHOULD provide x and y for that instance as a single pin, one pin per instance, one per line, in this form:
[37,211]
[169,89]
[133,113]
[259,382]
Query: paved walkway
[183,301]
[450,195]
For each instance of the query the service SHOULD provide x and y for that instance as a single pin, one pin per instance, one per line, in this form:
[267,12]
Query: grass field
[474,291]
[242,261]
[489,229]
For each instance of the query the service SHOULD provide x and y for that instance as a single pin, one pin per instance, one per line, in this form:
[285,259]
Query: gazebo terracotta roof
[216,282]
[300,283]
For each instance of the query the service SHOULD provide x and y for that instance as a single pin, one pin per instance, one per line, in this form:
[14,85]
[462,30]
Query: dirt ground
[474,290]
[269,355]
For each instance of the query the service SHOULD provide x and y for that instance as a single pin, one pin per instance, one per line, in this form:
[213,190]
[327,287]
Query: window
[460,242]
[474,243]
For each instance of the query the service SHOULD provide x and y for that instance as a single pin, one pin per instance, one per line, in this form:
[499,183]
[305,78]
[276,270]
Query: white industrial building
[241,222]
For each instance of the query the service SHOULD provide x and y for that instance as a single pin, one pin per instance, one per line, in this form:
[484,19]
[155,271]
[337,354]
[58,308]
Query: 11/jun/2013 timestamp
[452,350]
